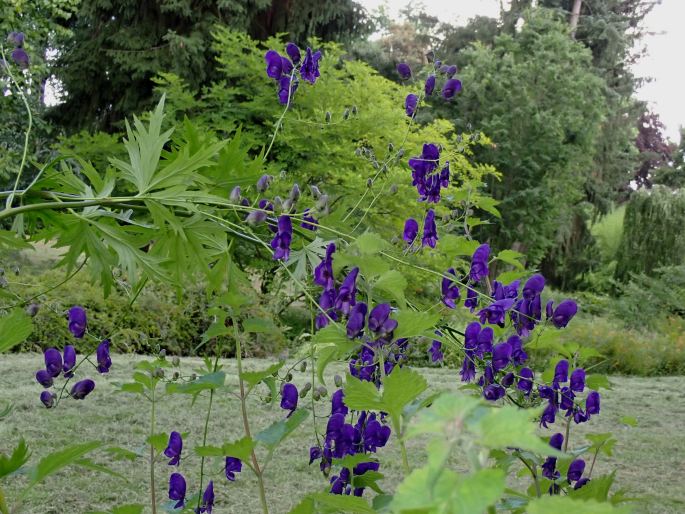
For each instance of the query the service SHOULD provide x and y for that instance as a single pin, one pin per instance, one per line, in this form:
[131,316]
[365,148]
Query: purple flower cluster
[450,87]
[425,175]
[562,397]
[18,55]
[574,475]
[177,482]
[285,70]
[64,363]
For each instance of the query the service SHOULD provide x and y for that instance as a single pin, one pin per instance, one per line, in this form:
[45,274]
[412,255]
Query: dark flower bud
[264,182]
[176,375]
[316,395]
[346,114]
[354,110]
[303,392]
[256,218]
[393,189]
[235,197]
[48,399]
[328,116]
[322,204]
[162,353]
[403,70]
[358,152]
[369,183]
[289,377]
[337,380]
[278,203]
[82,389]
[391,147]
[158,373]
[437,64]
[233,466]
[307,386]
[315,192]
[176,360]
[430,56]
[322,391]
[193,376]
[32,309]
[44,378]
[303,366]
[287,206]
[400,153]
[20,57]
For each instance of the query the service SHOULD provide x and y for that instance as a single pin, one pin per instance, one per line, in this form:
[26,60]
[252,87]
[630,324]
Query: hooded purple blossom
[479,263]
[338,403]
[525,382]
[274,64]
[53,362]
[493,392]
[69,361]
[501,356]
[309,222]
[403,70]
[293,52]
[549,466]
[323,273]
[410,103]
[233,466]
[48,399]
[82,389]
[281,242]
[518,354]
[174,448]
[20,57]
[450,291]
[435,351]
[286,89]
[376,435]
[564,313]
[347,292]
[380,321]
[448,69]
[451,88]
[578,380]
[77,321]
[471,301]
[309,70]
[208,499]
[411,229]
[356,320]
[430,230]
[103,358]
[575,470]
[560,373]
[177,490]
[44,378]
[256,217]
[592,403]
[430,85]
[16,39]
[495,313]
[289,397]
[533,287]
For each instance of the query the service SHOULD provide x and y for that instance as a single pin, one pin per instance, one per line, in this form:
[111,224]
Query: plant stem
[153,494]
[246,420]
[533,473]
[3,505]
[204,437]
[594,459]
[568,431]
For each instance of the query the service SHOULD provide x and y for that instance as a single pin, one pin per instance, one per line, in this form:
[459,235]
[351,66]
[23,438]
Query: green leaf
[133,387]
[476,492]
[326,503]
[458,245]
[411,323]
[87,463]
[20,455]
[57,460]
[362,395]
[629,420]
[241,449]
[448,411]
[14,329]
[596,489]
[370,244]
[158,441]
[132,508]
[274,434]
[10,240]
[252,378]
[259,326]
[118,453]
[511,257]
[203,383]
[400,388]
[567,505]
[393,283]
[598,382]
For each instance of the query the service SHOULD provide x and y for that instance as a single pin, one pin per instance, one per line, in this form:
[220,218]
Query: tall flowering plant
[354,284]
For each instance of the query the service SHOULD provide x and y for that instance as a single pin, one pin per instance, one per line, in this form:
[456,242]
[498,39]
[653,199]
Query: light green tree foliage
[535,95]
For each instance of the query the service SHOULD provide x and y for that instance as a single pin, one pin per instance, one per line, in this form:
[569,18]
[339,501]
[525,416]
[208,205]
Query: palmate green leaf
[131,508]
[370,244]
[259,326]
[326,503]
[568,505]
[274,434]
[413,323]
[55,461]
[241,449]
[393,283]
[20,455]
[400,388]
[15,327]
[362,395]
[158,441]
[597,382]
[202,383]
[447,413]
[10,240]
[458,245]
[182,168]
[511,257]
[252,378]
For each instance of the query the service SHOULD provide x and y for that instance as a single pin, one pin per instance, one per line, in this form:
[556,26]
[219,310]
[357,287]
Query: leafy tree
[673,174]
[655,150]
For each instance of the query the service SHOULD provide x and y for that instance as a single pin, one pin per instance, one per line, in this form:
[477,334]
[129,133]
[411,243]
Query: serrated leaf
[362,395]
[511,257]
[252,378]
[411,323]
[448,410]
[274,434]
[202,383]
[393,283]
[158,441]
[458,245]
[567,505]
[400,388]
[20,455]
[55,461]
[15,327]
[598,382]
[370,244]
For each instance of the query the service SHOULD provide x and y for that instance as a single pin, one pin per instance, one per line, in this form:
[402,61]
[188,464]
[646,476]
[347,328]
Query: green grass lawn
[649,459]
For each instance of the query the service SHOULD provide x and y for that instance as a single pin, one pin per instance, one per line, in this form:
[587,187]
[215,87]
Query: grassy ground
[649,458]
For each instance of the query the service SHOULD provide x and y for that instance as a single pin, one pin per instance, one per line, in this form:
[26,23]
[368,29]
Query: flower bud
[162,354]
[391,147]
[322,204]
[289,377]
[354,110]
[400,153]
[303,392]
[393,189]
[369,183]
[158,373]
[287,206]
[328,116]
[294,193]
[303,366]
[430,56]
[316,395]
[315,192]
[346,114]
[278,204]
[193,376]
[337,379]
[307,386]
[268,398]
[322,391]
[176,375]
[32,309]
[176,360]
[235,197]
[256,218]
[264,182]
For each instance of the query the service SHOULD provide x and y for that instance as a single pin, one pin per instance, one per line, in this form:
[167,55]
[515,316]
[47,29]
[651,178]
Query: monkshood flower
[309,70]
[560,373]
[281,243]
[347,292]
[533,287]
[103,358]
[174,448]
[309,222]
[338,403]
[501,356]
[256,217]
[563,313]
[44,378]
[430,85]
[380,321]
[82,389]
[208,499]
[471,301]
[404,71]
[507,380]
[323,273]
[430,230]
[549,466]
[479,263]
[435,351]
[500,291]
[525,382]
[274,64]
[293,52]
[20,57]
[48,399]
[177,490]
[451,88]
[495,313]
[16,39]
[410,103]
[286,89]
[450,291]
[77,321]
[53,362]
[263,184]
[493,392]
[518,354]
[69,361]
[578,380]
[289,397]
[592,403]
[233,466]
[449,70]
[411,230]
[356,320]
[575,470]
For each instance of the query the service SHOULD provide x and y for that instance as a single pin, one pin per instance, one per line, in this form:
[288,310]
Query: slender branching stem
[153,493]
[533,472]
[568,433]
[204,435]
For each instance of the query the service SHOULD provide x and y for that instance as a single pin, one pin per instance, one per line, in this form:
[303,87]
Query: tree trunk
[575,14]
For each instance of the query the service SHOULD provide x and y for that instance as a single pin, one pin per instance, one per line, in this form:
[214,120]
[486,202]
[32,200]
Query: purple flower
[69,361]
[479,263]
[525,383]
[338,404]
[177,490]
[310,66]
[468,368]
[435,351]
[281,242]
[314,454]
[567,398]
[560,373]
[578,380]
[493,392]
[309,222]
[347,292]
[375,435]
[403,70]
[262,185]
[53,362]
[16,39]
[356,320]
[380,321]
[495,312]
[410,103]
[323,273]
[20,57]
[580,483]
[289,397]
[77,321]
[256,217]
[592,403]
[44,378]
[48,399]
[430,85]
[507,380]
[518,354]
[274,64]
[286,89]
[450,291]
[235,196]
[174,448]
[208,499]
[549,414]
[430,230]
[233,466]
[564,313]
[575,470]
[533,287]
[411,229]
[293,52]
[548,468]
[471,301]
[82,389]
[501,356]
[451,88]
[103,358]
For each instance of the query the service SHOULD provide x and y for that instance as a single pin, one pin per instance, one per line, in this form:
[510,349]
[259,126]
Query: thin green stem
[204,436]
[594,459]
[153,493]
[3,505]
[279,122]
[568,432]
[533,473]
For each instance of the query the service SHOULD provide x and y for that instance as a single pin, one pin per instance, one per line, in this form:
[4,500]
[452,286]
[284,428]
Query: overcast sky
[665,45]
